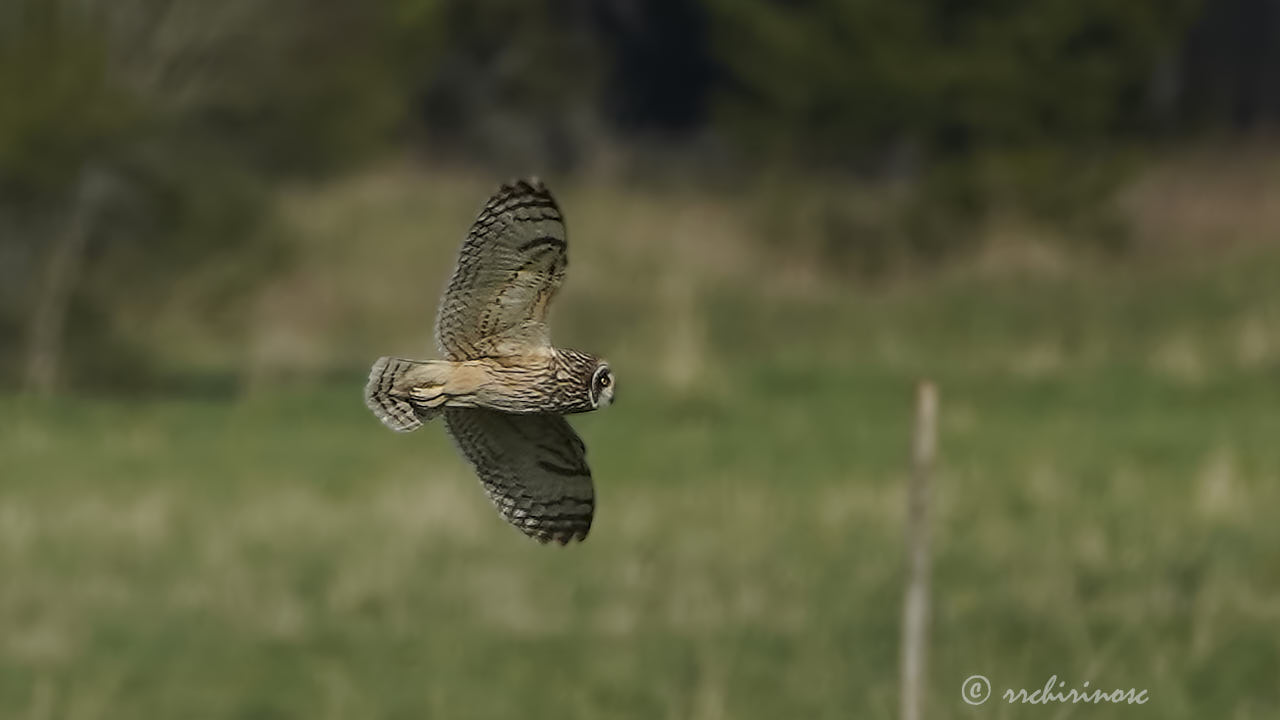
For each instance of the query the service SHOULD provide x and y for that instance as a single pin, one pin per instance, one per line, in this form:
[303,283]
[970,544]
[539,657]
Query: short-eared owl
[502,388]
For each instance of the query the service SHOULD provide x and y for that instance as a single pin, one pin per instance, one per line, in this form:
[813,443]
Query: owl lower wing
[533,467]
[509,268]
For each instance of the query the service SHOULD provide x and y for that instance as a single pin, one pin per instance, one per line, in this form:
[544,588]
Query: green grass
[1105,511]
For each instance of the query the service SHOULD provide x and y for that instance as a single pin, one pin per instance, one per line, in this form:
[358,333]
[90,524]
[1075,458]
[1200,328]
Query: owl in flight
[502,388]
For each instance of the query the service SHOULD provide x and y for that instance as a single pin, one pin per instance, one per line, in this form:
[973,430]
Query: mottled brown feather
[509,268]
[533,468]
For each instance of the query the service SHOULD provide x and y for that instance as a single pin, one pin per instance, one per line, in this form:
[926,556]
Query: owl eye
[605,381]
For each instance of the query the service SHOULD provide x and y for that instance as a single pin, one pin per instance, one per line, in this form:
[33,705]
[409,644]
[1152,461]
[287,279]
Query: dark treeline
[849,83]
[310,85]
[137,137]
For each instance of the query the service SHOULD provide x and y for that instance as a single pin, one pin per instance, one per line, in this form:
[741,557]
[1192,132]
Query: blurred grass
[1105,506]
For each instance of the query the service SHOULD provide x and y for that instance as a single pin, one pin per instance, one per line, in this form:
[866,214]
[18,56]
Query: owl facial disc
[602,387]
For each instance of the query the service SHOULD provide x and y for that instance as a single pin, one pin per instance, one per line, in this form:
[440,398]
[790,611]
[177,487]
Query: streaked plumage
[502,387]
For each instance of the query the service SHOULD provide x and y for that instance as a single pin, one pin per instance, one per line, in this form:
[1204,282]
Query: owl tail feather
[388,392]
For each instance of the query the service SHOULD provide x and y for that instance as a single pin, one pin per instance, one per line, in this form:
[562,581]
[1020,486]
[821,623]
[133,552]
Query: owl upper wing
[510,266]
[533,467]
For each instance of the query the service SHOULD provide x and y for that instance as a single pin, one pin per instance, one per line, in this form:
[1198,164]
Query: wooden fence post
[915,602]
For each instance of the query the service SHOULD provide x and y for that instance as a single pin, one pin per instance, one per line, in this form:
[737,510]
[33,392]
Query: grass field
[1106,507]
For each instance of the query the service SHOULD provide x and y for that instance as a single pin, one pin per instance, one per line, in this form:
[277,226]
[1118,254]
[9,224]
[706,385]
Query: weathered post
[915,602]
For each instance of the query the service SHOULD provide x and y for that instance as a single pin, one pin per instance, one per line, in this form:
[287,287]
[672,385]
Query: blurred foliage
[1224,77]
[182,112]
[514,83]
[858,82]
[980,105]
[68,109]
[876,133]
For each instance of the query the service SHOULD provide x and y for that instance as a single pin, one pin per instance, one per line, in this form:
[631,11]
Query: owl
[502,387]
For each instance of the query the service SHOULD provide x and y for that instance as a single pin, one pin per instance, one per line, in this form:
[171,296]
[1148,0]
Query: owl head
[583,382]
[601,386]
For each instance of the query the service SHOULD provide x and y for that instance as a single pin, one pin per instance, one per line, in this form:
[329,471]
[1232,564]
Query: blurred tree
[514,83]
[1227,75]
[660,70]
[983,103]
[137,156]
[850,81]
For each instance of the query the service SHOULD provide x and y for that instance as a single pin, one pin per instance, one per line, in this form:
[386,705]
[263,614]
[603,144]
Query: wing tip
[561,535]
[561,539]
[527,183]
[560,532]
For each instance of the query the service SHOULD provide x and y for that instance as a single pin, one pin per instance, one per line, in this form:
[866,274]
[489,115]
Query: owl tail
[394,392]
